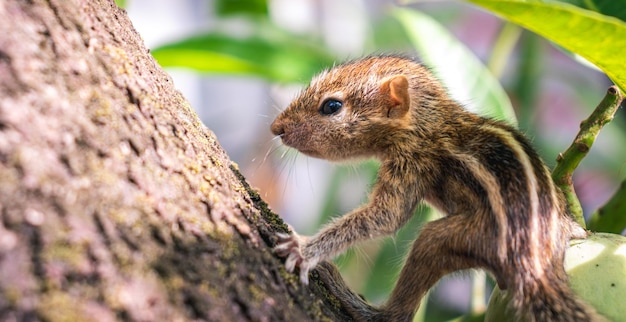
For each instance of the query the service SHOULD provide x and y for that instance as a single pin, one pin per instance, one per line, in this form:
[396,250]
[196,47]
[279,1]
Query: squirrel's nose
[277,128]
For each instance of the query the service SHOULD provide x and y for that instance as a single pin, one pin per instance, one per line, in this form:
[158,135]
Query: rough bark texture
[116,203]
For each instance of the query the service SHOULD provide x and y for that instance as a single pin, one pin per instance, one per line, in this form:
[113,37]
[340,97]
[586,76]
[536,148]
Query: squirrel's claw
[290,246]
[306,265]
[292,261]
[285,245]
[304,276]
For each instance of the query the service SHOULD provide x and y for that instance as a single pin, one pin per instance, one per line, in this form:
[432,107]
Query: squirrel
[502,211]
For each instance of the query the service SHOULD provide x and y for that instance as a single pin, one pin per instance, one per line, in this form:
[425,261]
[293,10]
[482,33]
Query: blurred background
[240,62]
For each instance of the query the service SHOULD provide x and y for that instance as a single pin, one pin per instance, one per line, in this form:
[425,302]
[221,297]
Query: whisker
[284,153]
[292,168]
[277,108]
[290,165]
[308,172]
[269,151]
[271,148]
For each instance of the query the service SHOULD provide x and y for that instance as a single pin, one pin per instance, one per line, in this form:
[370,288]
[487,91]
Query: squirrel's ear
[396,90]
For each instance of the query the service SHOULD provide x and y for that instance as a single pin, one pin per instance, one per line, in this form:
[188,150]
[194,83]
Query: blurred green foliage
[613,8]
[269,53]
[594,36]
[465,76]
[593,29]
[236,7]
[264,51]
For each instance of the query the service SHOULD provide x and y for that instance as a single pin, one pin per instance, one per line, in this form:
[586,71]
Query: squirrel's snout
[277,128]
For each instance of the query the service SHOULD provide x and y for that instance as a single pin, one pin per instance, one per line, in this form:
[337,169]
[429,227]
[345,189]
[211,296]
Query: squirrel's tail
[355,305]
[551,299]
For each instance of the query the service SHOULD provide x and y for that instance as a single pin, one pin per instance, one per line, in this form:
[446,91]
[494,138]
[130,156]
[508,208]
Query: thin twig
[569,160]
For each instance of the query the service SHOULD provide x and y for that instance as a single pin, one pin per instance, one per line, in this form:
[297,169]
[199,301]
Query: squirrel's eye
[330,106]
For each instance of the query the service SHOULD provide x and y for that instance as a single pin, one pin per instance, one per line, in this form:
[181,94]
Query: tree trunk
[116,203]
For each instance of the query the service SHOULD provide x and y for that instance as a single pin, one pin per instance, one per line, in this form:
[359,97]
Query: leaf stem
[611,217]
[569,160]
[502,48]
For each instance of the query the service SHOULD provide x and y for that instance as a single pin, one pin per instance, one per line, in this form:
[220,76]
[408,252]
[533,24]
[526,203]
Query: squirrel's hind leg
[443,246]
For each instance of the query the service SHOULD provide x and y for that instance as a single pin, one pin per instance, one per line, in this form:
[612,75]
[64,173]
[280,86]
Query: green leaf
[465,76]
[231,7]
[614,8]
[275,57]
[611,217]
[598,38]
[120,3]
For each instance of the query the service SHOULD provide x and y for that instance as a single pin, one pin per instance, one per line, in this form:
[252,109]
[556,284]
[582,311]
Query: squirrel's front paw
[292,247]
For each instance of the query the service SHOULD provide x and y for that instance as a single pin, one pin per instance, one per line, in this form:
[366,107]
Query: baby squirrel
[503,212]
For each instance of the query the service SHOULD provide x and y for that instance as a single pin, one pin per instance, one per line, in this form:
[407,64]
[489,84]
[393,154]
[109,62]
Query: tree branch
[116,202]
[569,160]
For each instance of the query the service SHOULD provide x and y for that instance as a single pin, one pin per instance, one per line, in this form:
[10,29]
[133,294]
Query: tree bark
[116,203]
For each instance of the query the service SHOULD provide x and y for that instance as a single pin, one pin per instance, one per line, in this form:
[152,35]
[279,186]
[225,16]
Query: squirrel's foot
[292,247]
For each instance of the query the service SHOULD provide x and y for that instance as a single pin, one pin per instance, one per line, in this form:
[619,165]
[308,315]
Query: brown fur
[503,212]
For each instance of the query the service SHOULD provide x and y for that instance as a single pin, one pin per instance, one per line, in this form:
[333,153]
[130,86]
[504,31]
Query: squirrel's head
[356,109]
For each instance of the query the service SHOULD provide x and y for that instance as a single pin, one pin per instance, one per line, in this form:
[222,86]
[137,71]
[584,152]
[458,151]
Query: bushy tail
[551,299]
